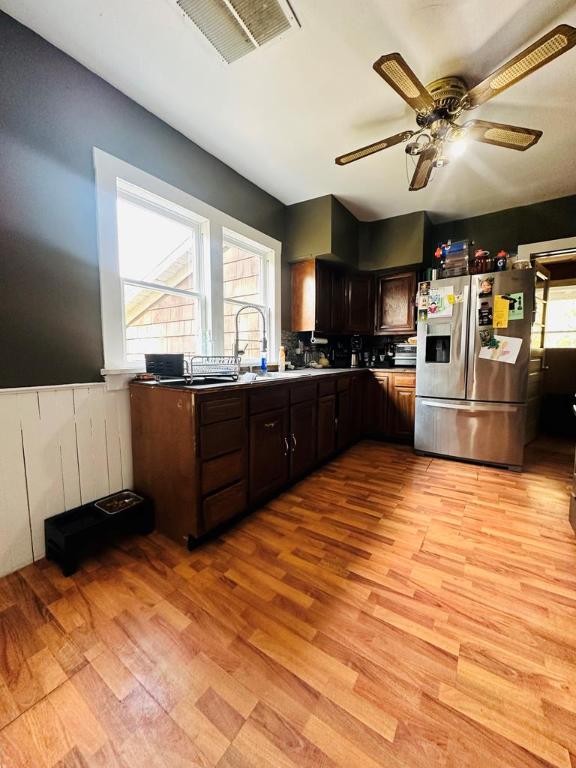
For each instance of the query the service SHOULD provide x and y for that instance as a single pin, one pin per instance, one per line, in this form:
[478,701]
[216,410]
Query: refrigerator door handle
[465,324]
[472,408]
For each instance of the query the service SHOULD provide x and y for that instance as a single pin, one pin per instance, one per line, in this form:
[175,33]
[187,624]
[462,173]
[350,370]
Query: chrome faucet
[237,351]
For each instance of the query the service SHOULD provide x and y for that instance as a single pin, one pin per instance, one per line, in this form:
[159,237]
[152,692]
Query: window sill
[119,378]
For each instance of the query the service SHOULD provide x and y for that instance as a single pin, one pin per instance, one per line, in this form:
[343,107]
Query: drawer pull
[286,446]
[293,436]
[270,424]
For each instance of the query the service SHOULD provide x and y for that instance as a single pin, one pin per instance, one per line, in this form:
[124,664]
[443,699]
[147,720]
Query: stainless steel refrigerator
[471,400]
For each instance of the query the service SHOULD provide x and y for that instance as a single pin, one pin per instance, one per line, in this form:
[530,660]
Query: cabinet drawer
[343,383]
[224,505]
[327,387]
[404,379]
[222,437]
[302,392]
[216,473]
[268,399]
[221,408]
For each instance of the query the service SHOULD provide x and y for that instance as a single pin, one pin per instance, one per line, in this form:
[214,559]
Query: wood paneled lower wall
[59,447]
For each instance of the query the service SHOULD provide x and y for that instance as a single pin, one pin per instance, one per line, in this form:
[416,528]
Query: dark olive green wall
[510,228]
[308,229]
[52,112]
[321,227]
[344,234]
[393,242]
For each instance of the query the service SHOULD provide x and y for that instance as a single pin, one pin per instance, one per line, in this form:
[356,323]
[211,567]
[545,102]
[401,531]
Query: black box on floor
[83,530]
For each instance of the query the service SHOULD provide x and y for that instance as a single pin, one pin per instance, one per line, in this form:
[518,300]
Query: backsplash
[291,340]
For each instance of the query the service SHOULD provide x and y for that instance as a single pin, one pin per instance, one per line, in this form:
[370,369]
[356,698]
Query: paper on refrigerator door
[501,311]
[438,303]
[506,352]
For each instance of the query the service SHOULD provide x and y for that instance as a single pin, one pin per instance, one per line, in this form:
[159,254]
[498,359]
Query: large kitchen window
[561,317]
[175,271]
[160,267]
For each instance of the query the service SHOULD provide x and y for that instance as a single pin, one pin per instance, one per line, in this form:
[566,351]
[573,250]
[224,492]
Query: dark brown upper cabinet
[395,303]
[318,296]
[359,303]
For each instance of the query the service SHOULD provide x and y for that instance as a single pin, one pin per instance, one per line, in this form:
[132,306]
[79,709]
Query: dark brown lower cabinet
[357,398]
[391,404]
[343,419]
[403,408]
[303,428]
[269,453]
[207,457]
[326,426]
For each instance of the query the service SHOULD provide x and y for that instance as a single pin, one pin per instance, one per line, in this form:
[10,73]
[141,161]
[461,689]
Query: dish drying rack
[220,367]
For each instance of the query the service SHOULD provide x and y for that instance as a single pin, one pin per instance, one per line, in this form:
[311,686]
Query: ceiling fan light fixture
[417,146]
[440,139]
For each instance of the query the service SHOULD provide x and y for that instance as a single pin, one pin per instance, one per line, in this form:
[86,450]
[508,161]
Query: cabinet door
[402,412]
[323,319]
[344,419]
[303,420]
[338,301]
[269,453]
[359,304]
[395,310]
[357,397]
[383,411]
[302,285]
[326,426]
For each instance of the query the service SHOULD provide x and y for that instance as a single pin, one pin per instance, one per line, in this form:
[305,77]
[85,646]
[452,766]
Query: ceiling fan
[439,105]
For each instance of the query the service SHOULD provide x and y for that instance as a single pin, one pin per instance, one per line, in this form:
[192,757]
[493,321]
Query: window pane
[156,321]
[561,316]
[154,246]
[250,331]
[556,339]
[242,274]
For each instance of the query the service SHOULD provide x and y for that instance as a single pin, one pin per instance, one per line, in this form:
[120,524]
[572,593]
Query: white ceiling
[280,115]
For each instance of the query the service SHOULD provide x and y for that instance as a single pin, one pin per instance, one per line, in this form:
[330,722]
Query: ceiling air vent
[237,27]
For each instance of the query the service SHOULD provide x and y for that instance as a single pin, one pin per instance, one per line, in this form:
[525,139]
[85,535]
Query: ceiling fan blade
[502,135]
[399,76]
[423,168]
[548,47]
[372,148]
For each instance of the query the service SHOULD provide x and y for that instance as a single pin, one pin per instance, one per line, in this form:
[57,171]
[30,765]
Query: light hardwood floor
[390,610]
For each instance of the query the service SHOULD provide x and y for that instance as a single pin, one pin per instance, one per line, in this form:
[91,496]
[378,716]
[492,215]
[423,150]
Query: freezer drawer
[490,433]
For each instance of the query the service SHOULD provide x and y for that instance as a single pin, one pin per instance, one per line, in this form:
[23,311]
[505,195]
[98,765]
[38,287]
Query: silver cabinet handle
[270,424]
[286,446]
[294,443]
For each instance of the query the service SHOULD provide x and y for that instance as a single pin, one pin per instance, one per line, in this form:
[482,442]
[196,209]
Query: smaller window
[561,317]
[246,279]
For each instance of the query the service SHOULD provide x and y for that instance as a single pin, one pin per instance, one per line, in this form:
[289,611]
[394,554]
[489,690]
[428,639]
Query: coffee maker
[340,355]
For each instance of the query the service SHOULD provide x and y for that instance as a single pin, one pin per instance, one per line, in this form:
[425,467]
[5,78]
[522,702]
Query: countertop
[271,378]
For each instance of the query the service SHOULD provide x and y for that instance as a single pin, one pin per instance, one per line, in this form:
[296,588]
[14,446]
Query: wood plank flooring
[390,610]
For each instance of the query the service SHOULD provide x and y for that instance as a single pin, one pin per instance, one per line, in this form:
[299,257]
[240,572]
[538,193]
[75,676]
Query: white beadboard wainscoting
[60,447]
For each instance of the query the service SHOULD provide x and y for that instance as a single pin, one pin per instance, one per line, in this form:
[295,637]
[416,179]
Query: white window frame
[267,273]
[201,231]
[108,169]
